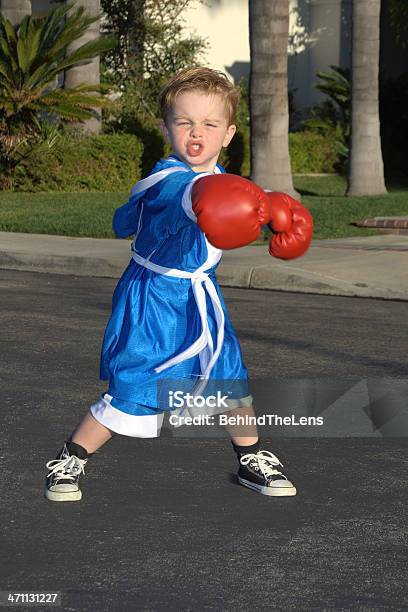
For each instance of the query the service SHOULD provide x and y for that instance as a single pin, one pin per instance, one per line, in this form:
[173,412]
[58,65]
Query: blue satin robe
[155,317]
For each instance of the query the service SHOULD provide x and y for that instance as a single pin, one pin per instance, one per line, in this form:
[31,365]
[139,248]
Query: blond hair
[200,79]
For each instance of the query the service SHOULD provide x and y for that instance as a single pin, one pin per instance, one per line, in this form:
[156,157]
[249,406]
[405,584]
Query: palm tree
[268,82]
[15,10]
[88,72]
[31,56]
[366,169]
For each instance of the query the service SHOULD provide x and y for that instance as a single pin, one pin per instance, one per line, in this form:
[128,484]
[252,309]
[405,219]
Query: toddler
[169,319]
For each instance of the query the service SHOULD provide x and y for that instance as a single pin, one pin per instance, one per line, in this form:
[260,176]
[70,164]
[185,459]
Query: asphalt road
[162,524]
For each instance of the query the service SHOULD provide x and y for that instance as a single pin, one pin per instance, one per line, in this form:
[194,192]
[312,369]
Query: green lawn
[67,214]
[333,213]
[90,214]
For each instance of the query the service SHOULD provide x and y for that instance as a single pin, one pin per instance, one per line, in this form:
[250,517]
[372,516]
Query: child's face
[197,128]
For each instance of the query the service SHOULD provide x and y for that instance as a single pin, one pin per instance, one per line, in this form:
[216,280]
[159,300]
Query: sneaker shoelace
[68,467]
[263,461]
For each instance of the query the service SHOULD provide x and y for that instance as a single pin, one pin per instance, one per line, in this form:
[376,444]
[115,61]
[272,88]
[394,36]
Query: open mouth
[194,148]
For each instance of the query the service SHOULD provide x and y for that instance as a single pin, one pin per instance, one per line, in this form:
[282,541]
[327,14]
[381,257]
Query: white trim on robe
[137,426]
[151,180]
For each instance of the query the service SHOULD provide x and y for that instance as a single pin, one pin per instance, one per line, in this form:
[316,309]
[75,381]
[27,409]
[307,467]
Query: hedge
[114,162]
[90,163]
[310,153]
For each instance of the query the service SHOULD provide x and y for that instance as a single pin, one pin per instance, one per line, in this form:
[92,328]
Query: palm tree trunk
[366,168]
[39,9]
[15,10]
[268,83]
[89,72]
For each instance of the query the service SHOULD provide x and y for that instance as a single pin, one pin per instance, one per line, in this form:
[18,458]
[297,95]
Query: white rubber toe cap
[280,483]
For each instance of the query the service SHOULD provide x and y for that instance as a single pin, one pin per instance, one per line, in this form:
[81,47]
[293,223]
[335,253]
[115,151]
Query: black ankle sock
[244,450]
[77,449]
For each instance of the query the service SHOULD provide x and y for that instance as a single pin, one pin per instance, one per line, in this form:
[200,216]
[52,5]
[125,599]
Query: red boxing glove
[292,225]
[229,209]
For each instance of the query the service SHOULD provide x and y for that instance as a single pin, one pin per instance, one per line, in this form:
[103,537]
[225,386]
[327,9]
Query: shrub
[90,163]
[312,153]
[126,117]
[113,162]
[333,116]
[32,55]
[309,153]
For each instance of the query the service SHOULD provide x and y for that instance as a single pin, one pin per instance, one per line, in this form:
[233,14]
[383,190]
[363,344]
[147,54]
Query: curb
[244,270]
[61,264]
[237,276]
[275,279]
[390,225]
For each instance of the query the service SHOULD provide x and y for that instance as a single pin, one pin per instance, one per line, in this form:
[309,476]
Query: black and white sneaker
[257,471]
[62,482]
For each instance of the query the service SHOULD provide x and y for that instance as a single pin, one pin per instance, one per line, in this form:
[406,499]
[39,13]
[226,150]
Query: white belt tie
[203,346]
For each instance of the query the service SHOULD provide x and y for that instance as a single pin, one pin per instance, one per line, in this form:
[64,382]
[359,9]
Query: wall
[319,36]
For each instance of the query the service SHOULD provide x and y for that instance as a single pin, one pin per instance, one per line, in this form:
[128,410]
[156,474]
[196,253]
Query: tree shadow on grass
[306,192]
